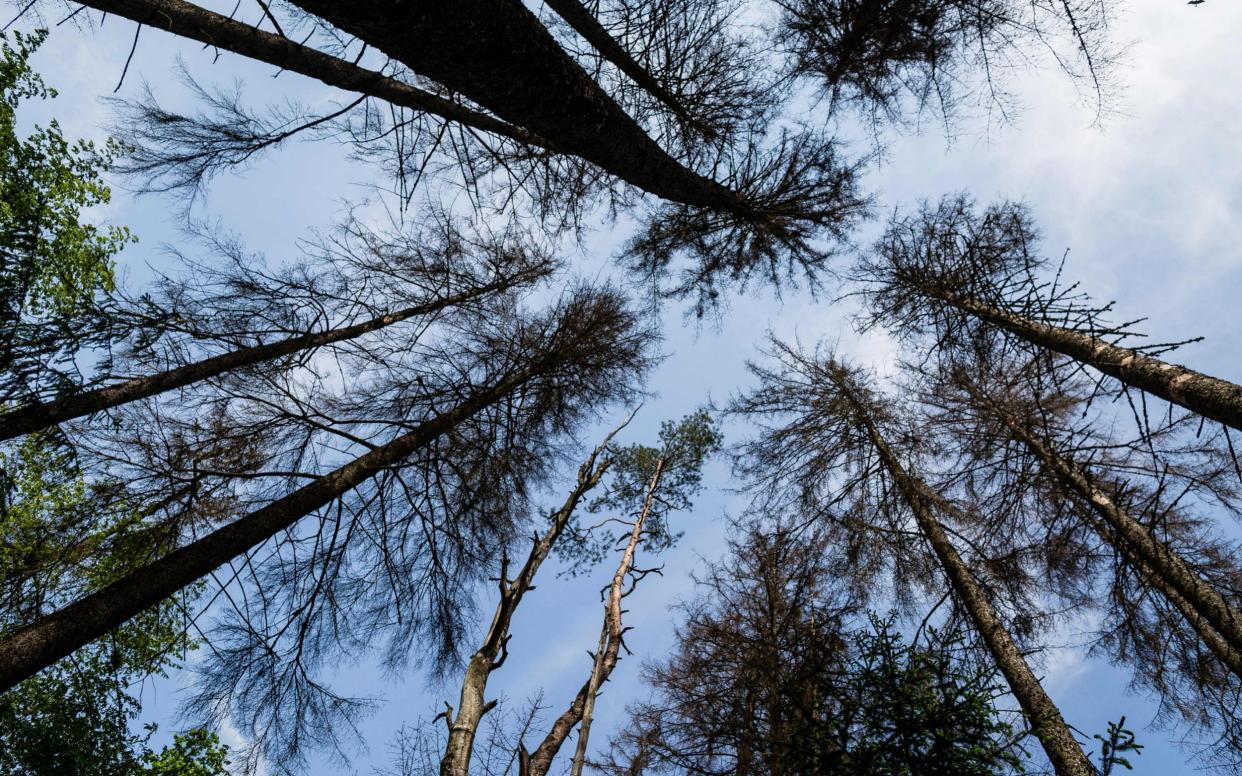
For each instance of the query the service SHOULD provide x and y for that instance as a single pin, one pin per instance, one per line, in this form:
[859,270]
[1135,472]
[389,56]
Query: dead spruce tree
[463,723]
[892,60]
[837,450]
[952,274]
[483,404]
[750,207]
[233,314]
[585,24]
[773,671]
[1114,524]
[647,485]
[685,100]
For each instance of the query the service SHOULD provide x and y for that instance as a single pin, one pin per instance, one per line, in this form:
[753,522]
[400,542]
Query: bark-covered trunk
[498,54]
[1232,658]
[611,632]
[35,417]
[34,647]
[472,704]
[1067,757]
[1159,559]
[191,21]
[539,762]
[581,710]
[1211,397]
[585,24]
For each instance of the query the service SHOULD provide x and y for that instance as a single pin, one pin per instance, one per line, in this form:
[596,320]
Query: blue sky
[1148,204]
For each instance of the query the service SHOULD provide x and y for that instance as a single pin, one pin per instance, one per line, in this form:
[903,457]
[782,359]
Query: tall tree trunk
[611,632]
[35,417]
[585,24]
[491,654]
[498,54]
[581,710]
[1156,556]
[1049,726]
[191,21]
[34,647]
[1232,658]
[1208,396]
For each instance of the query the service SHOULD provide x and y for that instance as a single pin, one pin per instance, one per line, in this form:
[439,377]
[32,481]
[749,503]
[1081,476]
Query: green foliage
[53,263]
[899,709]
[194,753]
[57,541]
[684,447]
[1113,747]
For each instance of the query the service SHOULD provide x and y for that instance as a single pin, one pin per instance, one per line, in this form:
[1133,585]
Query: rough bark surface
[498,54]
[472,704]
[40,644]
[585,24]
[191,21]
[611,632]
[1063,750]
[1160,559]
[539,762]
[1230,657]
[1211,397]
[39,416]
[581,710]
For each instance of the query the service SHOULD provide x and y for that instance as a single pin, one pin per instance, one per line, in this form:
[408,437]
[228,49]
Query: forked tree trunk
[585,24]
[34,647]
[35,417]
[491,654]
[581,710]
[1211,397]
[1162,561]
[498,54]
[1045,718]
[191,21]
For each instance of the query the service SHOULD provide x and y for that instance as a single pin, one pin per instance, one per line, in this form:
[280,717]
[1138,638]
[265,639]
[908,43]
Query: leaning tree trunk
[585,24]
[35,417]
[1049,726]
[1156,556]
[1211,397]
[498,54]
[581,710]
[34,647]
[1230,657]
[491,654]
[191,21]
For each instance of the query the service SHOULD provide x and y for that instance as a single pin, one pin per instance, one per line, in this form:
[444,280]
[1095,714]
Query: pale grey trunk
[1157,557]
[1208,396]
[491,654]
[611,631]
[539,762]
[1045,718]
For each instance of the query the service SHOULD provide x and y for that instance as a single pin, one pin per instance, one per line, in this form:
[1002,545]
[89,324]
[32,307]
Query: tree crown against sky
[55,262]
[755,187]
[246,437]
[772,672]
[79,715]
